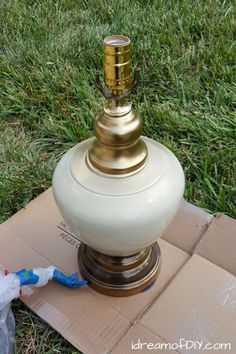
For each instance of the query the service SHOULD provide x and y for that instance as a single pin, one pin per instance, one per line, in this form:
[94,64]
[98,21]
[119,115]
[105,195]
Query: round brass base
[120,276]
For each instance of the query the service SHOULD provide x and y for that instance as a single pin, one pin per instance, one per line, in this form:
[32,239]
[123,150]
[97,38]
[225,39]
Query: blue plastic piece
[27,277]
[149,286]
[72,281]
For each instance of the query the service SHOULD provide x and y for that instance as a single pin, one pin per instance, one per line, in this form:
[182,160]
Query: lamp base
[120,276]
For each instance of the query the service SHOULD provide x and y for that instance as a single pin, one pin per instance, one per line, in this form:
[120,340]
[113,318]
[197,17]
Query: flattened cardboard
[41,227]
[20,255]
[139,339]
[219,243]
[199,304]
[97,324]
[91,326]
[188,227]
[92,322]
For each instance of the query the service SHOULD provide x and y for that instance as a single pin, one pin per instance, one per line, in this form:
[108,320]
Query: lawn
[50,51]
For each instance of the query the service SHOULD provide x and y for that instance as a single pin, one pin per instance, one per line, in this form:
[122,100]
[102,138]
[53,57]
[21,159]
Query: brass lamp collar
[118,148]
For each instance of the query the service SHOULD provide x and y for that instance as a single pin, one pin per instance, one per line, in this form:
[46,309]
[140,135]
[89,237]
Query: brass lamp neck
[117,148]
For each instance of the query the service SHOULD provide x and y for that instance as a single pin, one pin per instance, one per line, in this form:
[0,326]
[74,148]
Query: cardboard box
[96,323]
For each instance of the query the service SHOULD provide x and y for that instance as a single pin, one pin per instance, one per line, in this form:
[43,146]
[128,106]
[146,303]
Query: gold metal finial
[118,148]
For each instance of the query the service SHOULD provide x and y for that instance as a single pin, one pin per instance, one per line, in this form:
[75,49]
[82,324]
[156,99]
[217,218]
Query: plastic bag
[7,320]
[7,330]
[10,288]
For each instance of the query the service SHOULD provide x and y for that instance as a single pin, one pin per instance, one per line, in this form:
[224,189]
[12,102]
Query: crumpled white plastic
[7,321]
[9,290]
[10,285]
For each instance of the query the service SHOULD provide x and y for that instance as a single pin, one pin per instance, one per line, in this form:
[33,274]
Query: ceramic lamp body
[118,215]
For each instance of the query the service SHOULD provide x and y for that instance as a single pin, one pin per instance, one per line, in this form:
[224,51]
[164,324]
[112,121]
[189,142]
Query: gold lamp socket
[117,63]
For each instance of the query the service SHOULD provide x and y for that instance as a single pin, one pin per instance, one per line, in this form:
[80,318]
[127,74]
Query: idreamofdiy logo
[182,344]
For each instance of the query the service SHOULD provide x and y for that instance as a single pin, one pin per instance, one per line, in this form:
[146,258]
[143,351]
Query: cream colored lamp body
[118,192]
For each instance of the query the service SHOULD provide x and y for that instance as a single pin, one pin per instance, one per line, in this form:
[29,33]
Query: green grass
[49,53]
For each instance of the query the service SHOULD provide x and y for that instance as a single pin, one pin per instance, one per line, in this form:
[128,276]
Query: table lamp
[118,190]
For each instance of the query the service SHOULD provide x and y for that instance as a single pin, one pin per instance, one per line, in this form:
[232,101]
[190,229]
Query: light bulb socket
[117,63]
